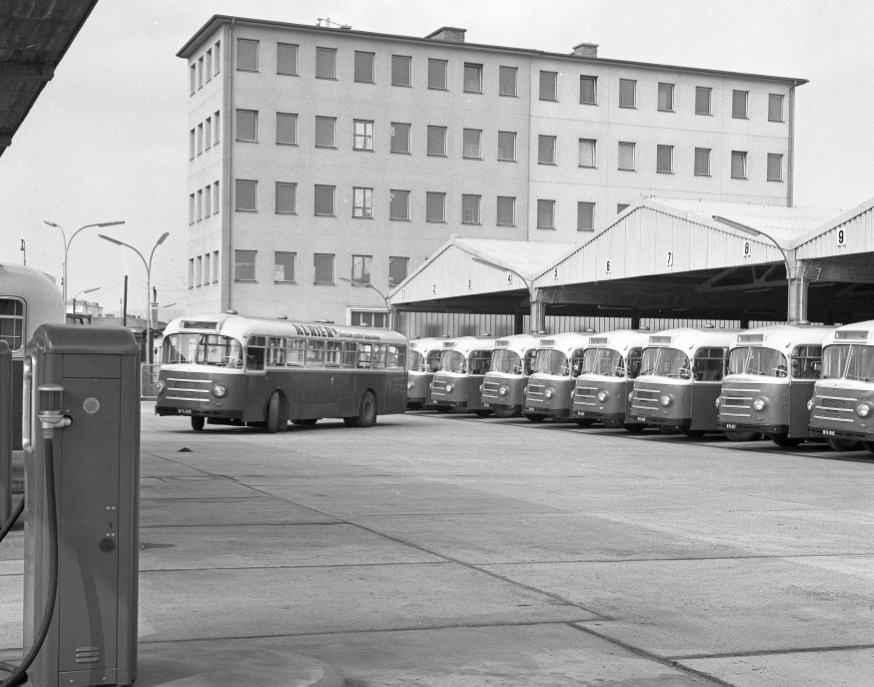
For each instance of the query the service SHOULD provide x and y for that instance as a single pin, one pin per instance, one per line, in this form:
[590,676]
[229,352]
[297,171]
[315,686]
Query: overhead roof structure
[34,36]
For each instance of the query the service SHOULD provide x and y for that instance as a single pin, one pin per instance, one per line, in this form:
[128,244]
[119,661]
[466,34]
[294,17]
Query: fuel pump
[81,506]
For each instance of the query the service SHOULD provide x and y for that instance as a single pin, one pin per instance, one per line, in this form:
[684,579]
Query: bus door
[395,383]
[806,363]
[632,366]
[708,366]
[256,381]
[478,363]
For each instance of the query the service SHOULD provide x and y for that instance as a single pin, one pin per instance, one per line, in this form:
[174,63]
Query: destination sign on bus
[194,324]
[448,344]
[503,343]
[750,338]
[598,341]
[660,339]
[855,334]
[544,343]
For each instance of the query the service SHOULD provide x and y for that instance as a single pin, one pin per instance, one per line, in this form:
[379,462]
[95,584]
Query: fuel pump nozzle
[51,413]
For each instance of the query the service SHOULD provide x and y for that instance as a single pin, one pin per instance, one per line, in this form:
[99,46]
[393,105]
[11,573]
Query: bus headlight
[665,400]
[219,391]
[630,395]
[759,404]
[160,387]
[863,410]
[449,388]
[410,385]
[602,396]
[718,401]
[549,393]
[482,387]
[503,391]
[810,404]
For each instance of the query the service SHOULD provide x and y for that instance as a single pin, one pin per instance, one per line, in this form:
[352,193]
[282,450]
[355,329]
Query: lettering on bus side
[315,330]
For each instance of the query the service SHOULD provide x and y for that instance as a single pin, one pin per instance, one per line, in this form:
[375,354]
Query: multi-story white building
[322,158]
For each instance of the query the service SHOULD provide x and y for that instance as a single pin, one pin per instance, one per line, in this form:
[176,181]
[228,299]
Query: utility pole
[124,307]
[24,250]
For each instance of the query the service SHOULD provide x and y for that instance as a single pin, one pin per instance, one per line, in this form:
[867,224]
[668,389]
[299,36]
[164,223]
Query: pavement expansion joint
[773,652]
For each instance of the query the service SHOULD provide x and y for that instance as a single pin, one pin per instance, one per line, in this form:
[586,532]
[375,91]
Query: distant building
[320,156]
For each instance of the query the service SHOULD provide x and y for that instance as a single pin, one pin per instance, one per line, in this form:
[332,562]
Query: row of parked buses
[789,382]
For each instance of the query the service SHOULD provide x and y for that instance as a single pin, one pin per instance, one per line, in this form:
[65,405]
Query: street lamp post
[148,265]
[67,245]
[91,290]
[382,295]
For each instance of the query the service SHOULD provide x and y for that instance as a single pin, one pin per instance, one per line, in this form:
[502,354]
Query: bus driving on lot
[557,363]
[464,362]
[680,379]
[842,406]
[503,387]
[769,380]
[424,361]
[611,363]
[233,370]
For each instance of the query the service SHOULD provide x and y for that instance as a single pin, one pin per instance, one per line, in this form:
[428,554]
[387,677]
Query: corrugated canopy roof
[528,258]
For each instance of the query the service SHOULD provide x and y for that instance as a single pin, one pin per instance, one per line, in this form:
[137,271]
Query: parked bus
[424,362]
[680,380]
[503,387]
[769,380]
[28,298]
[557,363]
[611,363]
[464,362]
[843,399]
[233,370]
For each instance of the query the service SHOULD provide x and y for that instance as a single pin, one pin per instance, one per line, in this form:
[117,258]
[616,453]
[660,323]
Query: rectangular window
[362,203]
[12,312]
[665,159]
[627,93]
[437,141]
[546,214]
[367,318]
[247,55]
[435,207]
[470,209]
[588,90]
[244,265]
[473,144]
[397,269]
[507,146]
[218,57]
[193,78]
[506,211]
[546,150]
[507,81]
[286,128]
[198,274]
[585,216]
[437,74]
[217,127]
[283,266]
[215,198]
[399,205]
[246,195]
[190,273]
[775,107]
[207,134]
[323,200]
[666,97]
[191,144]
[621,207]
[286,59]
[549,86]
[739,104]
[473,78]
[703,97]
[199,139]
[200,73]
[738,164]
[400,137]
[215,267]
[207,197]
[363,71]
[702,162]
[326,63]
[363,138]
[401,70]
[324,268]
[199,205]
[192,212]
[326,132]
[247,125]
[206,271]
[626,156]
[286,198]
[361,268]
[587,152]
[207,67]
[775,167]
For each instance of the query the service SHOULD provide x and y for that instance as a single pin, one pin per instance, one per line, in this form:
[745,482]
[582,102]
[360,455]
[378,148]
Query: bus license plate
[640,419]
[828,432]
[184,411]
[730,426]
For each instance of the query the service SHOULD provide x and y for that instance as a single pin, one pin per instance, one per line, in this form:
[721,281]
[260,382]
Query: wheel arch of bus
[673,258]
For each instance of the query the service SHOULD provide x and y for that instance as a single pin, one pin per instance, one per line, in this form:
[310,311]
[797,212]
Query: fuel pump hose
[10,523]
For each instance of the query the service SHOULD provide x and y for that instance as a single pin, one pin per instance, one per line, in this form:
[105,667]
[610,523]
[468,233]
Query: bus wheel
[742,436]
[197,423]
[482,413]
[414,406]
[783,440]
[869,446]
[694,433]
[274,410]
[443,409]
[505,413]
[669,429]
[612,424]
[842,444]
[634,427]
[534,417]
[367,414]
[584,422]
[310,421]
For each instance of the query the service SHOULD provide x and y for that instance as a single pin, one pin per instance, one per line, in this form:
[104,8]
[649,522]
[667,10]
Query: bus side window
[433,361]
[276,352]
[12,322]
[577,362]
[295,352]
[530,354]
[350,352]
[709,364]
[255,353]
[364,354]
[333,353]
[379,356]
[397,358]
[480,361]
[806,362]
[315,353]
[634,357]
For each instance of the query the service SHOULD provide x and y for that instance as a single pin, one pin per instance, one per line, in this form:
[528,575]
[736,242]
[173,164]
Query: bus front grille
[585,395]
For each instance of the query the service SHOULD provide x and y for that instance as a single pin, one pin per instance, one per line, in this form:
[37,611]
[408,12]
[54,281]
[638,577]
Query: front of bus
[449,385]
[549,389]
[420,376]
[202,371]
[503,388]
[607,377]
[842,406]
[662,393]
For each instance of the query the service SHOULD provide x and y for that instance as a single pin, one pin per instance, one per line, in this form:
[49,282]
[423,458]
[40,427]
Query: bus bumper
[751,427]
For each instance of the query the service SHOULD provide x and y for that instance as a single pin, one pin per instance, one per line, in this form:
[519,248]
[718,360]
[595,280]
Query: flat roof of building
[218,19]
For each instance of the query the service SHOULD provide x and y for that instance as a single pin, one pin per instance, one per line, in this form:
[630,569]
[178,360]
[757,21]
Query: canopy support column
[538,311]
[798,285]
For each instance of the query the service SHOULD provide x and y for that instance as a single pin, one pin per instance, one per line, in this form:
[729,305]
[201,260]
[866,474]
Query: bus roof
[427,343]
[567,342]
[241,327]
[466,344]
[783,336]
[857,332]
[690,339]
[43,299]
[519,343]
[620,339]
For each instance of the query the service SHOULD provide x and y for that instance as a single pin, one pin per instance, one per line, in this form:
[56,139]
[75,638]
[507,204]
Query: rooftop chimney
[448,34]
[586,50]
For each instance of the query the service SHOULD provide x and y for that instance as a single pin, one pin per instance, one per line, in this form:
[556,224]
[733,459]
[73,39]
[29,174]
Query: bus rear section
[464,362]
[680,380]
[503,388]
[557,363]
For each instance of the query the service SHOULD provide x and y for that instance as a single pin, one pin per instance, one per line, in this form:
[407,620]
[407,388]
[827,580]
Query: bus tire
[443,409]
[669,429]
[694,433]
[868,445]
[310,421]
[482,413]
[584,422]
[842,444]
[634,427]
[197,423]
[783,440]
[367,413]
[735,435]
[534,417]
[504,412]
[613,424]
[274,413]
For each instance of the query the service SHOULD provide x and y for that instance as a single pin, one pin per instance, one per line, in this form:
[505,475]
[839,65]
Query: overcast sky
[107,139]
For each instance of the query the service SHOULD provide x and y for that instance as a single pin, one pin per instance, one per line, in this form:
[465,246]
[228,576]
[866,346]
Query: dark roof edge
[218,19]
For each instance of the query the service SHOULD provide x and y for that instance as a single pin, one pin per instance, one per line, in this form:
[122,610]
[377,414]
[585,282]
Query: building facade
[324,160]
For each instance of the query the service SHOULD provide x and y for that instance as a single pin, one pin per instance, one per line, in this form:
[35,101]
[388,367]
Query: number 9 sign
[841,237]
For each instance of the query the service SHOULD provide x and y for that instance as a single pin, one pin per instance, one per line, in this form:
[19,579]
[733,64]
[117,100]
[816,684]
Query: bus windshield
[607,362]
[203,349]
[433,361]
[453,361]
[588,364]
[665,362]
[551,362]
[417,361]
[757,360]
[848,361]
[504,360]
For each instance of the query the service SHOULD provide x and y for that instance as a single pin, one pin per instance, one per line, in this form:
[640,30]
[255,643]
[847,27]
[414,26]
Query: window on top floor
[666,97]
[401,70]
[473,78]
[775,107]
[549,86]
[200,73]
[286,59]
[507,81]
[739,104]
[627,93]
[326,63]
[247,55]
[363,67]
[588,90]
[217,64]
[193,78]
[703,97]
[437,74]
[207,66]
